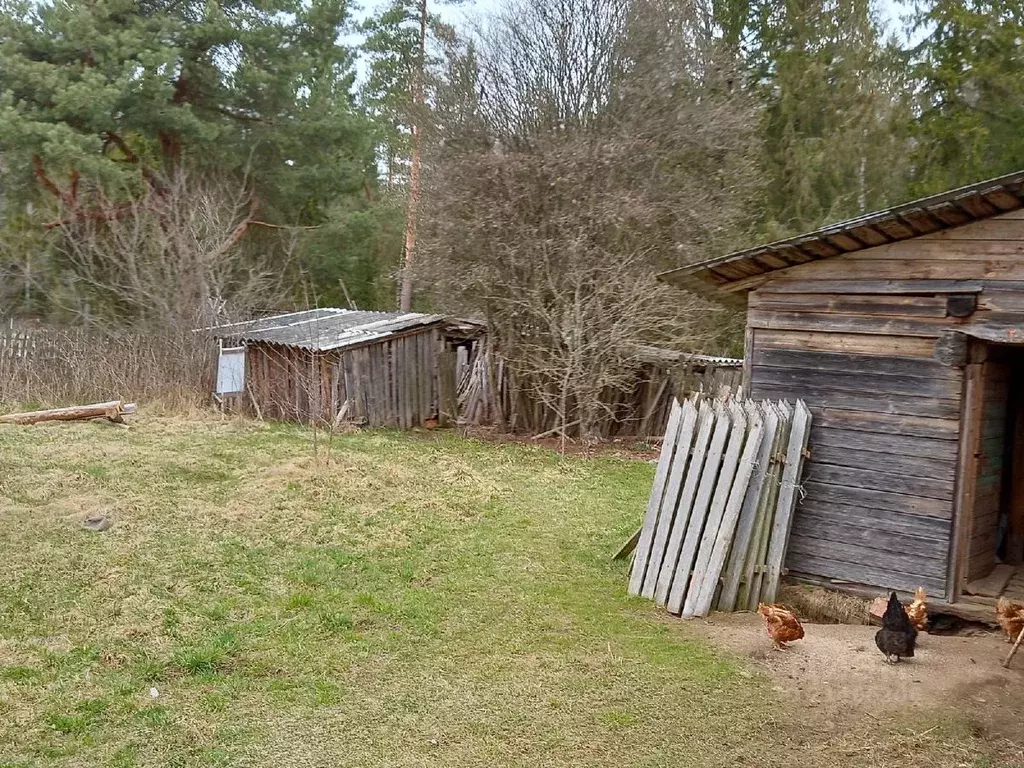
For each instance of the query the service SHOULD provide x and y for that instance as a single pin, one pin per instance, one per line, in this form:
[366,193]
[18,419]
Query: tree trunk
[114,411]
[405,303]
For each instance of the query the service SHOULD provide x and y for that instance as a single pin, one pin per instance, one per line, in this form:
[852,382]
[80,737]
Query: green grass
[394,601]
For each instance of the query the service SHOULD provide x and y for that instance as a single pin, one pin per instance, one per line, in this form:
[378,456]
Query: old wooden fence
[718,520]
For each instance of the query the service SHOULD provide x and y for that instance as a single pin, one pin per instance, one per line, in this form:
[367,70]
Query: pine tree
[398,40]
[970,74]
[109,90]
[104,98]
[834,108]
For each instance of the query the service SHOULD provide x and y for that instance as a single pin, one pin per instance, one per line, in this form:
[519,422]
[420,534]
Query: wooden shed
[903,330]
[379,369]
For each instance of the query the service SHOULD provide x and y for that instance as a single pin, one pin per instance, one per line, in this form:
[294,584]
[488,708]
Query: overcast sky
[891,10]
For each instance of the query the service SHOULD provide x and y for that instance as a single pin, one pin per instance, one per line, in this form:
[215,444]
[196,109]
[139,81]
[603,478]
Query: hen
[917,611]
[1010,615]
[781,624]
[897,635]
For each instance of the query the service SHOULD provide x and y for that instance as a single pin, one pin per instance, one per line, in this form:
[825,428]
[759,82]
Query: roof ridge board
[978,189]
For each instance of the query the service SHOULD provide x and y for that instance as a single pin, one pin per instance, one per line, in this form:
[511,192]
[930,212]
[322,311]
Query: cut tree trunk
[114,410]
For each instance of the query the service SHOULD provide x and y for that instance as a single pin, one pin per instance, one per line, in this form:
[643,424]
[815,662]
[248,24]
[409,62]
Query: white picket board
[748,515]
[695,525]
[643,547]
[730,518]
[705,425]
[719,499]
[670,498]
[787,500]
[764,529]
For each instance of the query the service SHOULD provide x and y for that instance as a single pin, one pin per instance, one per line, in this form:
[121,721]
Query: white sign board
[231,371]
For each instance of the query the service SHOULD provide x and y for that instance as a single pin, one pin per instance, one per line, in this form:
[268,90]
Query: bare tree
[587,151]
[172,257]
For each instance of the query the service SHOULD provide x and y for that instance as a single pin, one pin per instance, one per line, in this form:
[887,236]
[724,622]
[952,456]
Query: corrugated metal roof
[324,329]
[729,277]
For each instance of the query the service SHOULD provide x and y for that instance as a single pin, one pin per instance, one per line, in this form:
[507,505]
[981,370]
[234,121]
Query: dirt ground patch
[837,672]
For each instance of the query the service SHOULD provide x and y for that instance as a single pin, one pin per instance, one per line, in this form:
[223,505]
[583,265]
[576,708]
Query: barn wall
[855,336]
[288,384]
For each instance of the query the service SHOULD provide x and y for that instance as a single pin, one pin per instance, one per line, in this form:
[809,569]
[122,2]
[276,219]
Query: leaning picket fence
[718,520]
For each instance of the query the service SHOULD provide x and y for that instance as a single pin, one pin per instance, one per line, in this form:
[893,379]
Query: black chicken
[897,635]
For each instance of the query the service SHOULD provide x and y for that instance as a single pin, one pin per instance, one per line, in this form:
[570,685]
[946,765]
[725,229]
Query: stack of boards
[718,521]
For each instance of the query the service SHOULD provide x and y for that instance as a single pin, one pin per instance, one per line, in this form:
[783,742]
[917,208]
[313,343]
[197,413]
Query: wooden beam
[963,507]
[713,462]
[868,286]
[1016,645]
[705,425]
[730,518]
[670,499]
[716,514]
[748,513]
[629,546]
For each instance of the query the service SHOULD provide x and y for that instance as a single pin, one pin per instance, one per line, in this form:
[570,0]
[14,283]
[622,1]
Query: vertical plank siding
[399,382]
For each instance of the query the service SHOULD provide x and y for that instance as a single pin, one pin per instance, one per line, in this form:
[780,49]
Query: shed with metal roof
[396,369]
[904,331]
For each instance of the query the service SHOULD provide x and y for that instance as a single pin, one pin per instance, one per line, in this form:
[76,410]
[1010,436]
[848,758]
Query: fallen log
[114,411]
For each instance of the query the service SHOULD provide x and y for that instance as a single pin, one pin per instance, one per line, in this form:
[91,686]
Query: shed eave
[727,278]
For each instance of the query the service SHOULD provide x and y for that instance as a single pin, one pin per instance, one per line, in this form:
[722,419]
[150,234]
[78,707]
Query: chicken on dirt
[917,611]
[897,637]
[1010,615]
[781,624]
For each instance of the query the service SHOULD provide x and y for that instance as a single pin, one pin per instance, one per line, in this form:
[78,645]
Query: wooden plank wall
[878,503]
[719,496]
[396,382]
[854,337]
[393,383]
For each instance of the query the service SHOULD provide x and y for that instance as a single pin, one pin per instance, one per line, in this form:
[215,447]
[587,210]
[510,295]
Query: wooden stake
[629,547]
[1013,650]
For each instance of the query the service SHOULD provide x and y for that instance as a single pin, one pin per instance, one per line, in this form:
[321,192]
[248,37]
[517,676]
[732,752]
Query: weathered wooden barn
[904,331]
[380,369]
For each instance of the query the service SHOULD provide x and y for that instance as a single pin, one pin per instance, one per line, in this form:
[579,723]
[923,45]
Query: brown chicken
[781,624]
[1010,615]
[917,611]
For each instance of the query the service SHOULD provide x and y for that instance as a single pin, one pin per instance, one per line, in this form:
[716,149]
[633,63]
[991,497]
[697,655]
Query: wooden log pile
[718,520]
[481,389]
[113,411]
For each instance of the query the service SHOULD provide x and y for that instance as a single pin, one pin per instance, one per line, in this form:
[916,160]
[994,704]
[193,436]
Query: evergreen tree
[834,111]
[103,98]
[970,75]
[97,86]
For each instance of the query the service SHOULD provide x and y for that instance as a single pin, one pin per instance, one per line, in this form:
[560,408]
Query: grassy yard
[398,600]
